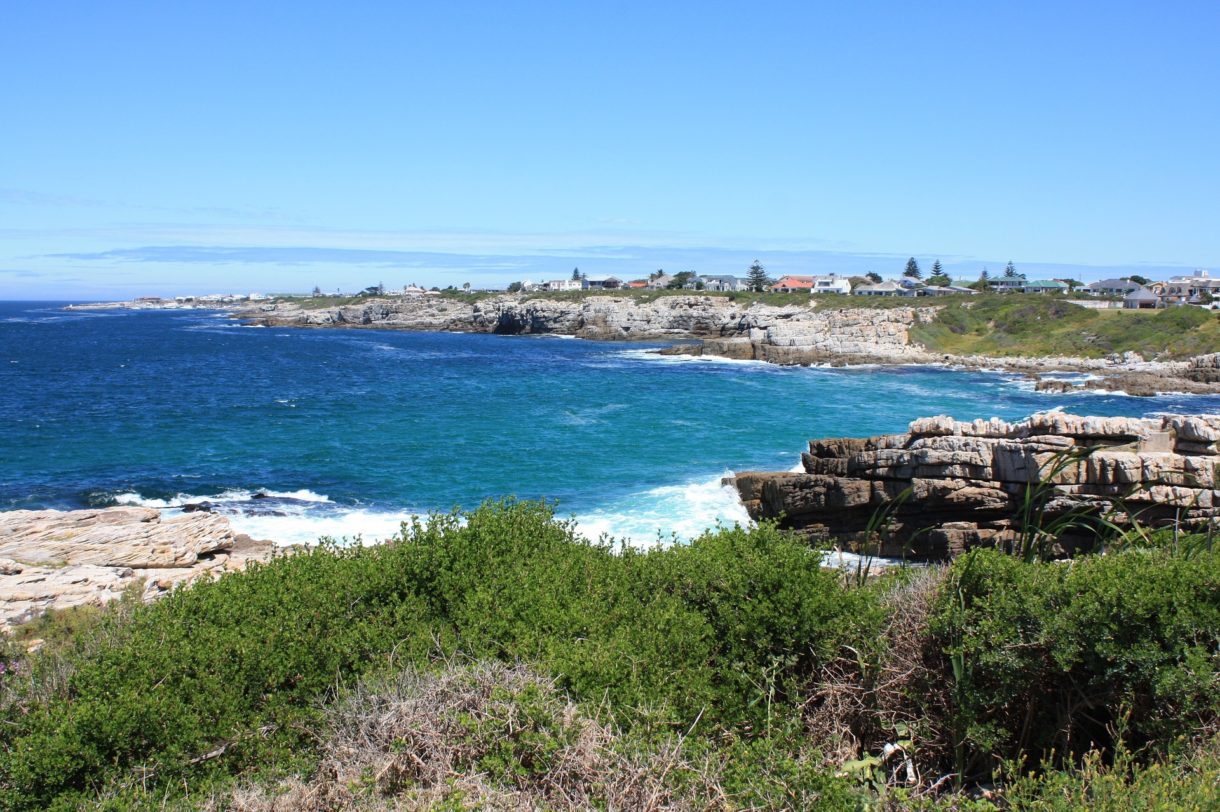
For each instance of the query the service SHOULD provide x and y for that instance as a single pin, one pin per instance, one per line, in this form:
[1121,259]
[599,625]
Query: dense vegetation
[1032,324]
[497,658]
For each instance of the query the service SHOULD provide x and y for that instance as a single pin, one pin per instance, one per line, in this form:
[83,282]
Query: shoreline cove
[365,440]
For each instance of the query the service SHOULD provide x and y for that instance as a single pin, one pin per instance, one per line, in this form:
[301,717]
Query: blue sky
[214,147]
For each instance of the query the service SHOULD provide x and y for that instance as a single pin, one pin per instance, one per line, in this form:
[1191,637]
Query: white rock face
[792,334]
[52,559]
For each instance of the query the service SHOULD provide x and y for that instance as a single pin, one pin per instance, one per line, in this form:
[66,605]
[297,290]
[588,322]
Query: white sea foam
[669,514]
[657,358]
[306,527]
[233,495]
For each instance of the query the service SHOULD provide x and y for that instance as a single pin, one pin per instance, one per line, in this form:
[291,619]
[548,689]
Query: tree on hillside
[874,277]
[466,287]
[1010,270]
[938,276]
[983,283]
[757,279]
[912,270]
[1139,280]
[680,279]
[515,287]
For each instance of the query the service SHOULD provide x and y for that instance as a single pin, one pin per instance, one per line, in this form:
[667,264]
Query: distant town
[1133,292]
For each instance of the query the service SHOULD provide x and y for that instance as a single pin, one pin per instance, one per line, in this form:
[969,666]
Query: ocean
[302,433]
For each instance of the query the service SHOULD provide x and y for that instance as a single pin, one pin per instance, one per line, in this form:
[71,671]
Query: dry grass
[894,706]
[474,736]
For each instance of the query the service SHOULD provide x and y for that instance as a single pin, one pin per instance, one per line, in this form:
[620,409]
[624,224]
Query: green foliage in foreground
[1054,660]
[1035,324]
[725,628]
[719,645]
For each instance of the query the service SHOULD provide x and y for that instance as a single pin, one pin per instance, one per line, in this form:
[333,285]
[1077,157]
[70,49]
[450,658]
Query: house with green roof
[1045,286]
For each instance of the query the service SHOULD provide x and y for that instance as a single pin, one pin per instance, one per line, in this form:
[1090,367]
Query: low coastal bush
[1053,660]
[224,677]
[1032,324]
[767,681]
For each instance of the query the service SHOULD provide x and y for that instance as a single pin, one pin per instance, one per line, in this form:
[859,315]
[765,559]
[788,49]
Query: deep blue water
[362,428]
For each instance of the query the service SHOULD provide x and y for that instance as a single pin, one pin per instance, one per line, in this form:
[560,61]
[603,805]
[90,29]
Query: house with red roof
[793,284]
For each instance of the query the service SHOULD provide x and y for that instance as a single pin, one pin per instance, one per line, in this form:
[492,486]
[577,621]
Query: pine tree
[912,269]
[757,279]
[576,274]
[937,276]
[1010,270]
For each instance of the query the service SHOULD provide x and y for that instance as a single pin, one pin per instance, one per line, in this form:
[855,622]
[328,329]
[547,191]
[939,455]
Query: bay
[352,431]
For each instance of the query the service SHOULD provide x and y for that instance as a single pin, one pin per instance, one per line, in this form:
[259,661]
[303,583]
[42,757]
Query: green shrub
[1050,660]
[228,676]
[1034,324]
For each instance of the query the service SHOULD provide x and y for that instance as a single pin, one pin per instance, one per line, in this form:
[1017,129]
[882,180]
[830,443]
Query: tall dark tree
[576,274]
[913,269]
[757,279]
[937,275]
[874,277]
[1010,270]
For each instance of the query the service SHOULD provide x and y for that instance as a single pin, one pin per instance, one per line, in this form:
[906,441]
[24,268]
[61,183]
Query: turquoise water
[352,431]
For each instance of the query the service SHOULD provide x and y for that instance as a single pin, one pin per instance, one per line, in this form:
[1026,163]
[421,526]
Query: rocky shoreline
[947,486]
[52,559]
[722,327]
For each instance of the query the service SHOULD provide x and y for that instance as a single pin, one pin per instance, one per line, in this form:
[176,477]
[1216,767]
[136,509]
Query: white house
[727,284]
[831,284]
[1007,284]
[564,284]
[883,289]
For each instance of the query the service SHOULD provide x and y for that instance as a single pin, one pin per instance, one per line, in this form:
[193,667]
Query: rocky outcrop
[947,486]
[807,333]
[598,317]
[797,334]
[52,559]
[1204,368]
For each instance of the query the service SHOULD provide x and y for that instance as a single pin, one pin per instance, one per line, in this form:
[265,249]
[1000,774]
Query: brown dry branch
[862,704]
[418,739]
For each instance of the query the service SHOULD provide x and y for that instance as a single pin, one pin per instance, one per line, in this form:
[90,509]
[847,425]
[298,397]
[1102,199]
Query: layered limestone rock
[785,335]
[1204,368]
[52,559]
[947,485]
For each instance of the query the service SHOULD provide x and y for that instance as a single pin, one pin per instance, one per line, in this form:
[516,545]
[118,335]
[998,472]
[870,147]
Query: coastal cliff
[947,486]
[794,334]
[52,559]
[813,332]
